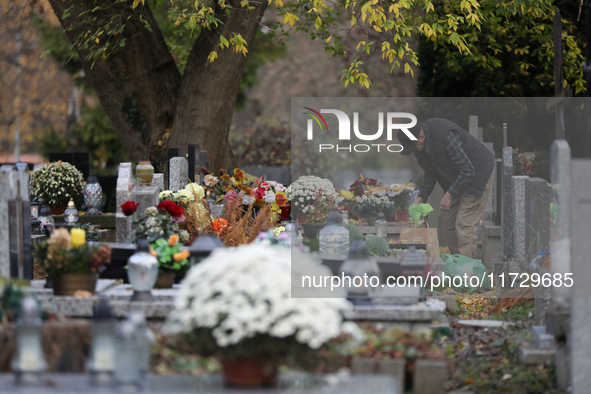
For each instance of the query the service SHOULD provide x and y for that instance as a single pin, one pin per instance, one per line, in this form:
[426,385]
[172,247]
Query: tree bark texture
[152,106]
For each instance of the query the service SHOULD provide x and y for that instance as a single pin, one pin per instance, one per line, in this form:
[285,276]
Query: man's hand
[445,202]
[419,200]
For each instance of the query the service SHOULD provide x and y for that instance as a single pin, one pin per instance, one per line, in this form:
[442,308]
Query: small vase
[59,210]
[165,280]
[311,229]
[68,284]
[371,220]
[249,373]
[402,216]
[391,218]
[302,218]
[144,172]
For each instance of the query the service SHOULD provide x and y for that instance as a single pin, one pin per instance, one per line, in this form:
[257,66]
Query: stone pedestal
[123,231]
[145,196]
[125,184]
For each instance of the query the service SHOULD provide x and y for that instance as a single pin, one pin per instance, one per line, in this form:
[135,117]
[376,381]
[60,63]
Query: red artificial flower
[259,193]
[204,171]
[129,207]
[171,207]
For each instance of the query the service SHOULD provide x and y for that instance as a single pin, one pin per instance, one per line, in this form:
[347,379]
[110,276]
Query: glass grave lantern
[29,361]
[202,247]
[142,272]
[381,226]
[71,214]
[334,237]
[360,273]
[127,363]
[101,363]
[93,195]
[45,216]
[35,208]
[145,337]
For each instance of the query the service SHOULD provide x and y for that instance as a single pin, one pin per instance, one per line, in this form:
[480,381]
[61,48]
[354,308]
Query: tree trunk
[142,90]
[208,91]
[137,84]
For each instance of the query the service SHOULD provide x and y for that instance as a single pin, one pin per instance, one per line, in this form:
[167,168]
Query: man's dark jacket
[435,158]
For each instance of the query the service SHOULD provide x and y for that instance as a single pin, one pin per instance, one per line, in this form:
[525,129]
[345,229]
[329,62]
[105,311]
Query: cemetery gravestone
[507,203]
[125,185]
[537,216]
[518,187]
[179,173]
[4,227]
[580,320]
[158,182]
[560,256]
[19,219]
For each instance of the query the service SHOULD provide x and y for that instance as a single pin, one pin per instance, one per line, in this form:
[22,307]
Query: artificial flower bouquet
[237,305]
[161,221]
[170,257]
[67,252]
[197,216]
[57,183]
[361,185]
[369,205]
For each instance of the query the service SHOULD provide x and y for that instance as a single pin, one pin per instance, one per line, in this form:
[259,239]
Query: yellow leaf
[212,56]
[97,40]
[318,23]
[328,39]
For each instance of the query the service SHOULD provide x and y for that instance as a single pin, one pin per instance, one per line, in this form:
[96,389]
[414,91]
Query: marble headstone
[473,126]
[488,209]
[560,256]
[518,186]
[125,184]
[580,318]
[158,181]
[179,173]
[146,197]
[537,216]
[507,203]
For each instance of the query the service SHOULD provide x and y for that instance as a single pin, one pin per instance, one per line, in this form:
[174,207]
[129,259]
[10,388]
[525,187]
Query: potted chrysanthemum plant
[57,183]
[72,262]
[237,305]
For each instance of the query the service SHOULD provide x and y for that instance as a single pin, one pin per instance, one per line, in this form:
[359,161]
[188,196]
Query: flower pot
[59,210]
[68,284]
[310,230]
[391,218]
[144,172]
[165,280]
[371,220]
[302,218]
[402,216]
[286,212]
[249,373]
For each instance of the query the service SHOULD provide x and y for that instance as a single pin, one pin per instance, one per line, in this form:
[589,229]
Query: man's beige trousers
[461,220]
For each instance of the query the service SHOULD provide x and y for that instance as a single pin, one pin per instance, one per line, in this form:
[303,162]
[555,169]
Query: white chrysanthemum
[244,291]
[269,197]
[184,194]
[247,200]
[165,194]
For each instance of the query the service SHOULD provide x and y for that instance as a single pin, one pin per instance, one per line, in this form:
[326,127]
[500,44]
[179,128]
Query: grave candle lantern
[334,238]
[127,364]
[101,363]
[142,271]
[93,195]
[144,337]
[29,361]
[358,265]
[45,215]
[71,214]
[35,208]
[202,248]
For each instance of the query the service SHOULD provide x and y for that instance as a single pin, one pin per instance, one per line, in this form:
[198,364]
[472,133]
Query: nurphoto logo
[344,131]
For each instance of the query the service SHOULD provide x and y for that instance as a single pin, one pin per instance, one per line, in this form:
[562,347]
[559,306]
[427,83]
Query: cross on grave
[561,96]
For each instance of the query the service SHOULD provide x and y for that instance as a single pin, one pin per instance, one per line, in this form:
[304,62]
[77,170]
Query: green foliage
[11,295]
[377,246]
[265,143]
[96,134]
[512,53]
